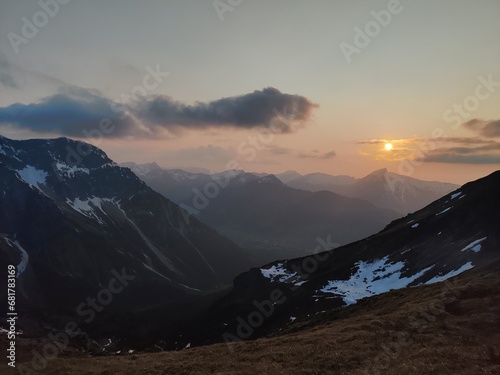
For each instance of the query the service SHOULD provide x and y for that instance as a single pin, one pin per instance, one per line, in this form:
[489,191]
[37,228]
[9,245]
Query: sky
[261,85]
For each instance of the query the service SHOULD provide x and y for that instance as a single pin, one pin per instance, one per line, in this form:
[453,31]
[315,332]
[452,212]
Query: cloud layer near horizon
[486,128]
[454,150]
[75,112]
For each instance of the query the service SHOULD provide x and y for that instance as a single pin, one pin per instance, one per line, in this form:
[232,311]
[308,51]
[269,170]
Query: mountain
[347,310]
[264,216]
[288,176]
[182,186]
[276,221]
[317,181]
[72,220]
[383,188]
[456,233]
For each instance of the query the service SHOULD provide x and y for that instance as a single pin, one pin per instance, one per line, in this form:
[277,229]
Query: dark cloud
[316,155]
[72,112]
[462,159]
[329,155]
[490,129]
[372,142]
[467,140]
[75,110]
[279,150]
[485,154]
[257,109]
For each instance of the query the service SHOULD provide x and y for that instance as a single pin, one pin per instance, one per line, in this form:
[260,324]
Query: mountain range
[385,189]
[75,224]
[262,214]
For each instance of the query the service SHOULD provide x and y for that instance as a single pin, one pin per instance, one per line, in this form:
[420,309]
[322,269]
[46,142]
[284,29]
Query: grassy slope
[447,328]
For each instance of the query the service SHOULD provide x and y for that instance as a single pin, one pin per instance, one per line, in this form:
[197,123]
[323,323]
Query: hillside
[449,328]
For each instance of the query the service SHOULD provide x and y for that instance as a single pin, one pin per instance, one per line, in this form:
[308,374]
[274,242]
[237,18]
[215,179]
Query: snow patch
[415,225]
[371,279]
[475,246]
[457,194]
[438,279]
[278,273]
[21,267]
[68,171]
[89,206]
[33,176]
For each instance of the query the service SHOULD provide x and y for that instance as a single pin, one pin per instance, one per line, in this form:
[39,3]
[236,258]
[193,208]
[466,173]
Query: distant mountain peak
[270,180]
[379,172]
[142,169]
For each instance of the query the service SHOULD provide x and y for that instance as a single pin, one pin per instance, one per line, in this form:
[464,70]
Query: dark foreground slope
[446,328]
[72,221]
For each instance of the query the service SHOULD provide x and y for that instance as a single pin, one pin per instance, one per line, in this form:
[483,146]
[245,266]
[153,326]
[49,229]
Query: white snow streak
[475,246]
[21,267]
[438,279]
[444,211]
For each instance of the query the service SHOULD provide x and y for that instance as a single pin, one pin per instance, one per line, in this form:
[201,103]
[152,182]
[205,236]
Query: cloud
[75,110]
[372,142]
[489,129]
[258,109]
[329,155]
[279,150]
[208,153]
[316,155]
[485,154]
[72,112]
[6,73]
[15,76]
[466,150]
[462,159]
[467,140]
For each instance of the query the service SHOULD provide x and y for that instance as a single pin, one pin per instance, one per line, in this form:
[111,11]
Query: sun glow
[388,146]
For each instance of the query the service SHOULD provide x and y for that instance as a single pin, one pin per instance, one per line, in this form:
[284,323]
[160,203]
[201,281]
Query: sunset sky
[265,83]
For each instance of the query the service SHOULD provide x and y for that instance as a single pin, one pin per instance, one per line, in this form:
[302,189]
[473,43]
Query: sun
[388,146]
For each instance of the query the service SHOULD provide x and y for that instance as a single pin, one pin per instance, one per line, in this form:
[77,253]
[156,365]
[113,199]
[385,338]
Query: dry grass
[375,336]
